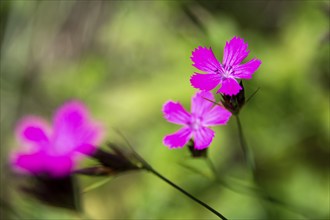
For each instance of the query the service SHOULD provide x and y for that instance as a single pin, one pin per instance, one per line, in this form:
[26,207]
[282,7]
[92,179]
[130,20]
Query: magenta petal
[204,59]
[199,103]
[178,139]
[203,138]
[205,82]
[217,116]
[73,129]
[86,149]
[33,130]
[35,134]
[29,163]
[229,87]
[88,138]
[175,113]
[59,166]
[70,116]
[246,70]
[235,52]
[42,163]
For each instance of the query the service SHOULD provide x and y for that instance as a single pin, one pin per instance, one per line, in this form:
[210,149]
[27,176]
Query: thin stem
[216,176]
[247,153]
[145,165]
[236,187]
[251,96]
[253,190]
[212,167]
[251,163]
[188,194]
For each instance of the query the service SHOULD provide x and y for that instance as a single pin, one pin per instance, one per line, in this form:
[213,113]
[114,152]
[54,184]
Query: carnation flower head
[195,123]
[225,73]
[54,151]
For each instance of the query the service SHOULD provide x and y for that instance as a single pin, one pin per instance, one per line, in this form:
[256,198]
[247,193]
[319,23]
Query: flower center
[228,71]
[196,122]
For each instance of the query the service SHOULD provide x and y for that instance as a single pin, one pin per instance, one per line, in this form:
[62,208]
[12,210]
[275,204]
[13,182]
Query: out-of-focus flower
[195,124]
[225,73]
[54,151]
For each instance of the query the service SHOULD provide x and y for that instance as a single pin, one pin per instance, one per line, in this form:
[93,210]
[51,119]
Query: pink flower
[224,74]
[54,151]
[195,124]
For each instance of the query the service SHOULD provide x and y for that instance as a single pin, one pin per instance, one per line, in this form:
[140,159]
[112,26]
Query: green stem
[246,152]
[188,194]
[251,163]
[254,190]
[213,169]
[146,166]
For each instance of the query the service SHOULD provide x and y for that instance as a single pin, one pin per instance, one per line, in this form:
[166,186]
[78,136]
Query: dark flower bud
[195,152]
[96,171]
[234,103]
[111,163]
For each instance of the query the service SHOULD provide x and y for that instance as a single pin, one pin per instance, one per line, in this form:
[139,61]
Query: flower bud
[234,103]
[195,152]
[111,163]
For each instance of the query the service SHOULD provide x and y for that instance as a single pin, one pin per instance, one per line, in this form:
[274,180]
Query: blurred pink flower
[196,123]
[224,74]
[54,151]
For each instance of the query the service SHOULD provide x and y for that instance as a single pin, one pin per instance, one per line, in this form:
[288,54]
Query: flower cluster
[49,154]
[53,151]
[203,115]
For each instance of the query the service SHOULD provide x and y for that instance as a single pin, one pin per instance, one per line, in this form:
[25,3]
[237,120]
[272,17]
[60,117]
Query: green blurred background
[124,59]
